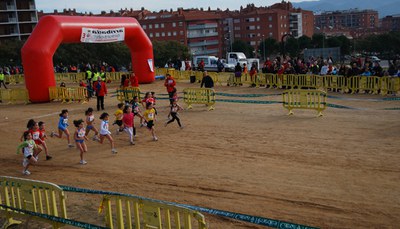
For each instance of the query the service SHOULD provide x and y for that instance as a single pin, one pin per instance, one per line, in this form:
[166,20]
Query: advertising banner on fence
[91,35]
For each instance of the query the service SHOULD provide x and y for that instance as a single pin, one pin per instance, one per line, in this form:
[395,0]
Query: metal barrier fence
[304,99]
[47,202]
[13,96]
[199,96]
[34,196]
[68,95]
[148,214]
[127,94]
[355,84]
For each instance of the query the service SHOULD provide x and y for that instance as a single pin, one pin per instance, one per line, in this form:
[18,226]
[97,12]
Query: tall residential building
[254,24]
[391,23]
[212,32]
[351,19]
[17,19]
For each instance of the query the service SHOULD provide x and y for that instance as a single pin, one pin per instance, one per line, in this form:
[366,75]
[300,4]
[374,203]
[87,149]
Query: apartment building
[391,23]
[351,19]
[17,19]
[212,32]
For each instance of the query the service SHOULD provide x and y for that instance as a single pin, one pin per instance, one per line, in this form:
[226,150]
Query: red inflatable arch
[51,31]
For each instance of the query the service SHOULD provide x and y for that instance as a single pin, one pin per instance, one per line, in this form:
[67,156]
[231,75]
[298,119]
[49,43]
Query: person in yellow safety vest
[96,74]
[103,75]
[89,75]
[2,80]
[89,87]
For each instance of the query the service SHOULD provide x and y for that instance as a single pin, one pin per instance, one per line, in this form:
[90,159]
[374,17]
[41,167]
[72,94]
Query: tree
[317,40]
[241,46]
[291,46]
[304,42]
[10,52]
[165,51]
[270,45]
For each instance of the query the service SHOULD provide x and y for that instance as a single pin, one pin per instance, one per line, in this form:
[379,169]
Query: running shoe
[83,162]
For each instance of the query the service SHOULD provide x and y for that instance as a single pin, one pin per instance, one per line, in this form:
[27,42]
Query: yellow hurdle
[199,96]
[304,99]
[36,196]
[132,212]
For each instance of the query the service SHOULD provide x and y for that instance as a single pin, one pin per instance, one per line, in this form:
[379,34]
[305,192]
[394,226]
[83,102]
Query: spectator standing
[170,85]
[101,90]
[238,74]
[207,81]
[134,80]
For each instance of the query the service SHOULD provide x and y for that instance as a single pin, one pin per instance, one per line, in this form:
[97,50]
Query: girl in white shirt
[105,133]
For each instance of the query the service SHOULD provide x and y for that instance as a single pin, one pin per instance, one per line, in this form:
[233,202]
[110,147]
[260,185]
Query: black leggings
[100,102]
[174,116]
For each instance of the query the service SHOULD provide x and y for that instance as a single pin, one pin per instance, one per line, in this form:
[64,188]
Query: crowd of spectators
[320,66]
[11,70]
[103,67]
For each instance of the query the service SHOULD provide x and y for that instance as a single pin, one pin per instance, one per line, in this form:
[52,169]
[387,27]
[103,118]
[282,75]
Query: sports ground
[336,171]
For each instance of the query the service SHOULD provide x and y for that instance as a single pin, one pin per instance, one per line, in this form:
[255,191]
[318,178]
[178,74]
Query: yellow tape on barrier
[36,196]
[304,99]
[199,96]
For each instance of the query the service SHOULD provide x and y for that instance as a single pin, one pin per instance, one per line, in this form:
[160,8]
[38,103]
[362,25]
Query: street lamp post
[230,41]
[263,41]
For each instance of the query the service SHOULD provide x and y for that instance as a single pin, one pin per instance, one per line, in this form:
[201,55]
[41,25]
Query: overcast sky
[96,6]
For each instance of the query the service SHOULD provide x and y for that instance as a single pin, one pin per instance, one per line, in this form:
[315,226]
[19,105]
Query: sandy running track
[338,171]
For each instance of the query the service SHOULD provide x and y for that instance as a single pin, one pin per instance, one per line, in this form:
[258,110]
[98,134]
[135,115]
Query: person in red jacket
[101,90]
[170,84]
[134,80]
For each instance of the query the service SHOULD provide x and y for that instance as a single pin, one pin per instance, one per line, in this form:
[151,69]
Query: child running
[105,133]
[150,118]
[136,111]
[43,137]
[128,121]
[118,117]
[175,108]
[62,127]
[80,137]
[35,132]
[27,148]
[90,124]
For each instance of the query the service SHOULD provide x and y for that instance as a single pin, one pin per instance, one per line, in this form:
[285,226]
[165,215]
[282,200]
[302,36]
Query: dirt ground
[337,171]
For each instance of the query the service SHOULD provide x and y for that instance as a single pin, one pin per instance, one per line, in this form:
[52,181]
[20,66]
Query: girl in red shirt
[43,137]
[128,121]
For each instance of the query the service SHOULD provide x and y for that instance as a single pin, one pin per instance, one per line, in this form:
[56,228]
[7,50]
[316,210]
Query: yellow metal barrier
[141,213]
[390,85]
[161,71]
[304,99]
[128,93]
[199,96]
[67,95]
[36,196]
[14,79]
[13,96]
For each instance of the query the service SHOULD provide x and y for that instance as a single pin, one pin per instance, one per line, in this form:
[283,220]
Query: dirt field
[337,171]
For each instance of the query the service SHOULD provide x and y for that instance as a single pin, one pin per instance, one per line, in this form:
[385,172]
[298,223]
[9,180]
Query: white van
[236,57]
[210,63]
